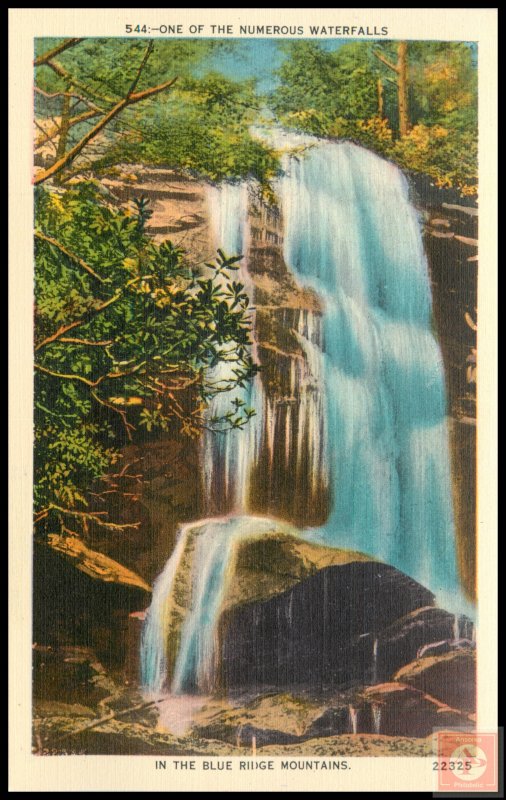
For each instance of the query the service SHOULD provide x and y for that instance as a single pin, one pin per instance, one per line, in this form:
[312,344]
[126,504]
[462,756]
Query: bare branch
[385,61]
[91,312]
[106,718]
[65,74]
[49,135]
[122,413]
[66,376]
[72,376]
[92,516]
[86,342]
[44,174]
[184,383]
[45,138]
[43,59]
[81,321]
[79,97]
[138,96]
[143,63]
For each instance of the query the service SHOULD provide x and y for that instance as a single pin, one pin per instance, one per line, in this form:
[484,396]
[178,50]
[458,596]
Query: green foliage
[336,94]
[201,125]
[127,334]
[325,83]
[199,140]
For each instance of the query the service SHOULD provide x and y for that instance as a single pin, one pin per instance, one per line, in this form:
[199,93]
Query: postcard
[253,310]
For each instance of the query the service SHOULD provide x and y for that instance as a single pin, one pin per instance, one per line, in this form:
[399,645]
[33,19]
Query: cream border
[110,773]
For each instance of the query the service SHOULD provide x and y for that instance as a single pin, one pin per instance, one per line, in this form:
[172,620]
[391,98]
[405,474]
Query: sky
[259,58]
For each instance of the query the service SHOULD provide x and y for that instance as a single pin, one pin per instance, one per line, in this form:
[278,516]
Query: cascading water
[376,717]
[312,429]
[214,540]
[351,234]
[295,423]
[375,425]
[353,719]
[154,633]
[229,456]
[375,662]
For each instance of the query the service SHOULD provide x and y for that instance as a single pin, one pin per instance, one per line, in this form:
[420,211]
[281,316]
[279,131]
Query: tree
[199,122]
[401,71]
[420,112]
[64,157]
[126,337]
[330,84]
[127,333]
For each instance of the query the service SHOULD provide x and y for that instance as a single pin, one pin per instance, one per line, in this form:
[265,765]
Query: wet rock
[403,640]
[405,711]
[307,635]
[271,719]
[450,677]
[332,722]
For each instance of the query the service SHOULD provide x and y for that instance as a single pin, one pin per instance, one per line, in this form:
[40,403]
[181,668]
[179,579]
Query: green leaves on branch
[351,93]
[127,334]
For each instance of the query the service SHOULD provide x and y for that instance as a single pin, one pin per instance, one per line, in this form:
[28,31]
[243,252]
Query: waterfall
[211,562]
[371,416]
[376,717]
[352,235]
[312,430]
[353,719]
[228,456]
[154,632]
[295,421]
[375,661]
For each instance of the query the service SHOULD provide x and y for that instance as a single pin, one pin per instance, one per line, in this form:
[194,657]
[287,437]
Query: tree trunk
[64,128]
[380,98]
[401,78]
[402,88]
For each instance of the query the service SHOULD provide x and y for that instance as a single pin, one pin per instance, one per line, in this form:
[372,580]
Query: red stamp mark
[467,761]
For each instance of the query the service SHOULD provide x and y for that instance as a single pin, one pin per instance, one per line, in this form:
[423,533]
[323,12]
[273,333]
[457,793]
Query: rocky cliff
[287,331]
[451,244]
[278,580]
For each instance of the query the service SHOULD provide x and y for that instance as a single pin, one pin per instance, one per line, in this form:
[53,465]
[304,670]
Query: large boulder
[271,719]
[261,565]
[320,632]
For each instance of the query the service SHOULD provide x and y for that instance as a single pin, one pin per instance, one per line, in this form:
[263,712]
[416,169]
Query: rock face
[94,564]
[319,633]
[267,565]
[71,608]
[178,202]
[451,244]
[450,677]
[69,675]
[413,635]
[388,709]
[401,708]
